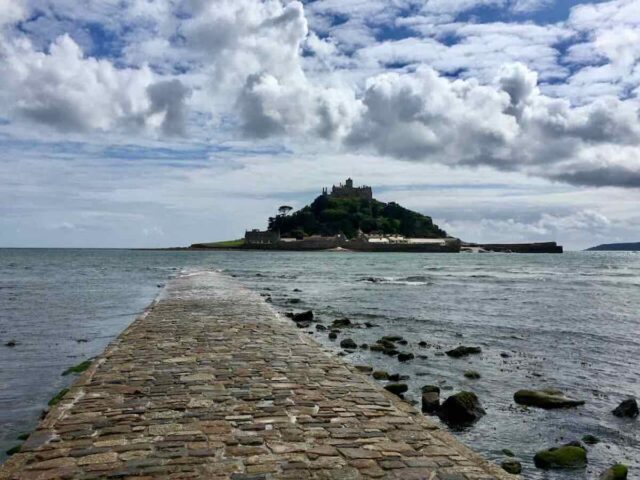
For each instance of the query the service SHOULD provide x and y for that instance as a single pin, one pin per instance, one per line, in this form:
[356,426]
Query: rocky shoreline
[460,410]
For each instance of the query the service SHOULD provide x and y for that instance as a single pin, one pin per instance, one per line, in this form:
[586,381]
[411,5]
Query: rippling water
[567,321]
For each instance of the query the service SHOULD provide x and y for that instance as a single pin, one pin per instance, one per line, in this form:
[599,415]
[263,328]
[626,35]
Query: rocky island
[348,217]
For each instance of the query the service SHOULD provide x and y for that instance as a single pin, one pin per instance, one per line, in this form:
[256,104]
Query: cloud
[11,11]
[69,92]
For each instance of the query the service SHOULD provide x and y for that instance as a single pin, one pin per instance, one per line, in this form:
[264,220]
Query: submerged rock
[471,374]
[628,408]
[512,466]
[348,344]
[548,399]
[430,398]
[590,439]
[617,472]
[391,338]
[461,409]
[364,368]
[564,457]
[303,324]
[405,357]
[463,351]
[396,388]
[380,375]
[342,323]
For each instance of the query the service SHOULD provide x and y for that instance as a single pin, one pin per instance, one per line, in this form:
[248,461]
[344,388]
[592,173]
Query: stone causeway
[211,383]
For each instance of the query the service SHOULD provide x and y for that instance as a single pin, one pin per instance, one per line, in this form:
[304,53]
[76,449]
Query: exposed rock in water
[297,290]
[376,347]
[369,324]
[617,472]
[463,351]
[304,316]
[364,346]
[364,368]
[303,324]
[628,408]
[512,466]
[547,399]
[590,439]
[405,357]
[390,338]
[321,328]
[430,398]
[294,301]
[333,335]
[471,374]
[396,377]
[342,323]
[564,457]
[348,344]
[397,388]
[461,409]
[508,452]
[10,343]
[380,375]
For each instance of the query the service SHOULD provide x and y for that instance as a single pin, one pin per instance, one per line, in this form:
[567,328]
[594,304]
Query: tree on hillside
[284,210]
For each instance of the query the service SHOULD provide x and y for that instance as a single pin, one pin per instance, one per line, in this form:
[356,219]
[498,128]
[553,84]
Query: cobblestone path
[211,383]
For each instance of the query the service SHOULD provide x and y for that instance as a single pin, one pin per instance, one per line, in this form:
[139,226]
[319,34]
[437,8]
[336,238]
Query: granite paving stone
[210,382]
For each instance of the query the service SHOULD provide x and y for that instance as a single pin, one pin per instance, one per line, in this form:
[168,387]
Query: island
[347,217]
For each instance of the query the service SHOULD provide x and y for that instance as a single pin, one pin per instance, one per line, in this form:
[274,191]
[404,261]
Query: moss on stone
[567,456]
[617,472]
[508,452]
[472,375]
[57,397]
[545,399]
[79,368]
[14,450]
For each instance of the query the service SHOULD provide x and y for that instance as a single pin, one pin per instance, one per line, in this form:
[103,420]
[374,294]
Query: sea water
[566,321]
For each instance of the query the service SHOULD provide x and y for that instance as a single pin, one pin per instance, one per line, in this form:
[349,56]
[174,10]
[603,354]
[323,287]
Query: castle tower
[349,183]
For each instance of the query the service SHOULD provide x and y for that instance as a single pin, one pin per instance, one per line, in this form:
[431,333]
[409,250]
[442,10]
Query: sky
[151,123]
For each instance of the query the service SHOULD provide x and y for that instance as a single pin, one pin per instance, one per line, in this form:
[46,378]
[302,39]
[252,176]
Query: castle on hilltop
[349,191]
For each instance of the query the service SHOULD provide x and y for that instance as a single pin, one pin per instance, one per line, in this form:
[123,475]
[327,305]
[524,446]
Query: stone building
[258,237]
[349,191]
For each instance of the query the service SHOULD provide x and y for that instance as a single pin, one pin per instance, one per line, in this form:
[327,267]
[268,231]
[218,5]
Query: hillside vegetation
[330,216]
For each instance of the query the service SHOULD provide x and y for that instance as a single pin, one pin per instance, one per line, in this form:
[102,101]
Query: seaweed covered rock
[463,351]
[512,466]
[548,399]
[472,375]
[628,408]
[564,457]
[461,409]
[617,472]
[380,375]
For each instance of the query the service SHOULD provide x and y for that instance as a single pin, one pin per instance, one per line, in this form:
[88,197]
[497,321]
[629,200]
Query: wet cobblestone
[211,383]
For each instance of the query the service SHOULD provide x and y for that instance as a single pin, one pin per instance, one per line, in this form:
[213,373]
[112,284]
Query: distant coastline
[616,247]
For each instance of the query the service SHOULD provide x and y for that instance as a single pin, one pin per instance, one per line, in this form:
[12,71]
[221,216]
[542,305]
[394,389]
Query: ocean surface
[568,321]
